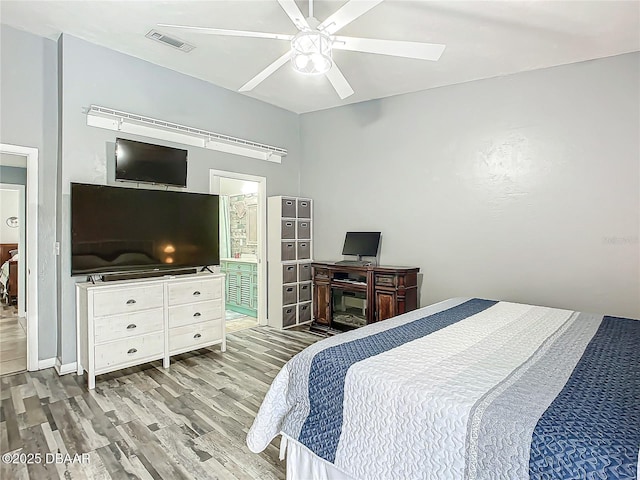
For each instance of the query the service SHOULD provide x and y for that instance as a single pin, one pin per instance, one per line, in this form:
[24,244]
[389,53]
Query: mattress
[467,388]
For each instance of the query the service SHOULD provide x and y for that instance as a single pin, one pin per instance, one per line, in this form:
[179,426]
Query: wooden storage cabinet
[290,252]
[126,323]
[383,292]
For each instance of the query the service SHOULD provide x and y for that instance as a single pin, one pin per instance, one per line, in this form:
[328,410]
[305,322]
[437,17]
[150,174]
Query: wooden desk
[384,291]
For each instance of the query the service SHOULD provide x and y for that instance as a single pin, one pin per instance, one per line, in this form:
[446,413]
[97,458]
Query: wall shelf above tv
[103,117]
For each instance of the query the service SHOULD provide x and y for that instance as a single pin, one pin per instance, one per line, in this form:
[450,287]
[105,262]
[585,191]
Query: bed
[463,389]
[9,272]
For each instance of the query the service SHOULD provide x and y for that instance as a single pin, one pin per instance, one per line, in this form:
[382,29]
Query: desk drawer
[195,313]
[129,350]
[195,291]
[106,329]
[190,336]
[386,280]
[125,300]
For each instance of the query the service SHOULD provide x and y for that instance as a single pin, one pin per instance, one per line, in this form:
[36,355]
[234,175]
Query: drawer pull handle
[132,350]
[131,301]
[197,314]
[289,202]
[197,335]
[131,326]
[196,293]
[289,224]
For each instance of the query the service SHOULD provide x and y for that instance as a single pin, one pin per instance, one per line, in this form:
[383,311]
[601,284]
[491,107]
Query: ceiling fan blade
[230,33]
[253,83]
[347,14]
[294,13]
[396,48]
[340,84]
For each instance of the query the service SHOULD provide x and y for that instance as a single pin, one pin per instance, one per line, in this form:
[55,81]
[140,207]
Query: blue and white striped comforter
[466,389]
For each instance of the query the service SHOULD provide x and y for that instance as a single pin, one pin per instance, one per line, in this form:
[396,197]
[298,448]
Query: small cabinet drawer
[190,336]
[125,300]
[304,272]
[194,291]
[304,250]
[288,229]
[106,329]
[386,280]
[288,316]
[289,294]
[304,292]
[195,313]
[129,350]
[304,312]
[289,273]
[288,251]
[288,207]
[304,208]
[304,229]
[320,274]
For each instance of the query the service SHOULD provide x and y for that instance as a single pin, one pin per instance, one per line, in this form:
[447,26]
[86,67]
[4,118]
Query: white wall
[28,117]
[97,75]
[522,188]
[9,207]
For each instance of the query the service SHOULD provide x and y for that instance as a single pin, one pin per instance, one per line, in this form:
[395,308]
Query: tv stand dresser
[125,323]
[350,296]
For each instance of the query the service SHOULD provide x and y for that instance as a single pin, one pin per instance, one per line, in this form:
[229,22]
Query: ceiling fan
[311,48]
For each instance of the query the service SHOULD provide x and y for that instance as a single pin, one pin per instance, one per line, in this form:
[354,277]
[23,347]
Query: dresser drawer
[190,336]
[194,291]
[116,327]
[125,300]
[195,313]
[128,350]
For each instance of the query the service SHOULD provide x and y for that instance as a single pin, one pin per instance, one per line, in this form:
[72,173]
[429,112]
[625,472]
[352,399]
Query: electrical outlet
[57,248]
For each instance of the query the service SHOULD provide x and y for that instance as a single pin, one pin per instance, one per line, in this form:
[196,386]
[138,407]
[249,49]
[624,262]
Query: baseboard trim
[46,363]
[64,369]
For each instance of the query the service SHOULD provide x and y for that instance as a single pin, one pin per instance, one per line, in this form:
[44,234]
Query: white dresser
[125,323]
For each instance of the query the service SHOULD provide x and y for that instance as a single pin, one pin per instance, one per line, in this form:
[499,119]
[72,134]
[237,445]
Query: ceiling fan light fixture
[311,52]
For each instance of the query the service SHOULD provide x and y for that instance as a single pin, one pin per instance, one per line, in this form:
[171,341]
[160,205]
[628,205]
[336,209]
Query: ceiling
[484,39]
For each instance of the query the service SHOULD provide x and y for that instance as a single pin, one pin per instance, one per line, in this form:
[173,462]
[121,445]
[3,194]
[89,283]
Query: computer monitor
[361,244]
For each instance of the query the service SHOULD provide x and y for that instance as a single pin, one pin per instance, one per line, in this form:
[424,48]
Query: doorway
[242,246]
[19,323]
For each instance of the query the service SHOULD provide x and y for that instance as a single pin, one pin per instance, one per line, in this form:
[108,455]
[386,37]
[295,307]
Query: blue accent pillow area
[592,428]
[322,429]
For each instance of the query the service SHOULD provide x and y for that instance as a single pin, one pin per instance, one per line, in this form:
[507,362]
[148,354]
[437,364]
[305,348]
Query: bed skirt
[303,463]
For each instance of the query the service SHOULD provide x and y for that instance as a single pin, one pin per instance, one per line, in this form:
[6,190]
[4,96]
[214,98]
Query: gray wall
[522,188]
[96,75]
[28,85]
[13,175]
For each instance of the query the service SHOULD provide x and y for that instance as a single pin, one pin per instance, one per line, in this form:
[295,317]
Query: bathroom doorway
[242,213]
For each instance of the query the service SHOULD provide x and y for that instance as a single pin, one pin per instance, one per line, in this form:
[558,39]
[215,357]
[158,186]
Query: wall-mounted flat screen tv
[147,163]
[117,229]
[363,244]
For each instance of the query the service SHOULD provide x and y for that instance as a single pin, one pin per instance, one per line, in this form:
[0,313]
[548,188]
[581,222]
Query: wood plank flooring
[187,422]
[13,341]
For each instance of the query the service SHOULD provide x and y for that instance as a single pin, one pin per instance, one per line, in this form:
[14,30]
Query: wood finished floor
[187,422]
[13,341]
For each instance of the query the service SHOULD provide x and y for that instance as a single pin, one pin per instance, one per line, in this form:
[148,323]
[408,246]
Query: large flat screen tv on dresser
[117,229]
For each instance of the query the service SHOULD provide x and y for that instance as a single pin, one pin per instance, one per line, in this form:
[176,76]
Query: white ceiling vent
[171,41]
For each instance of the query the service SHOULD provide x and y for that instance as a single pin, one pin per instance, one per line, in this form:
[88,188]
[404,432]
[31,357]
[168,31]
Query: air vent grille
[171,41]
